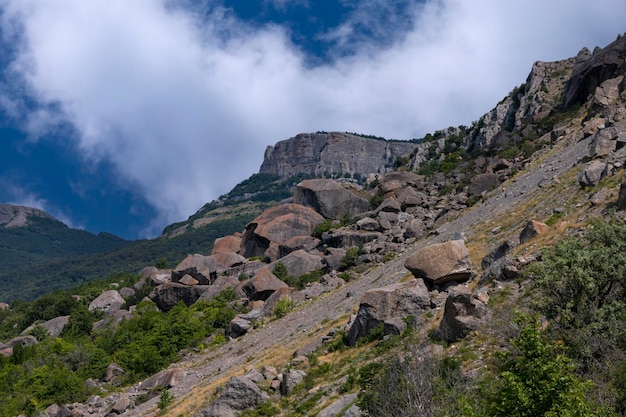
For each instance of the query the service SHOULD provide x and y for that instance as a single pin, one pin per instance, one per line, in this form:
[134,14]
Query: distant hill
[46,255]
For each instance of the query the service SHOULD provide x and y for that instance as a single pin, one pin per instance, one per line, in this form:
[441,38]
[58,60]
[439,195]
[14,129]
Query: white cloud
[185,108]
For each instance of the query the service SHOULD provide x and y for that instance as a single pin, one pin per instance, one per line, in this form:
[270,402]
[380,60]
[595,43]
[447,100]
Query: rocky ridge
[482,234]
[17,216]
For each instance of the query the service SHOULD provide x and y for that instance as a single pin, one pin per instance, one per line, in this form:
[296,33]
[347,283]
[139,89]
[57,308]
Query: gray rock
[238,394]
[126,292]
[113,371]
[532,229]
[122,404]
[335,409]
[167,378]
[238,327]
[592,173]
[368,224]
[202,268]
[108,302]
[345,238]
[441,263]
[290,379]
[462,314]
[329,198]
[389,306]
[167,295]
[481,183]
[262,285]
[300,262]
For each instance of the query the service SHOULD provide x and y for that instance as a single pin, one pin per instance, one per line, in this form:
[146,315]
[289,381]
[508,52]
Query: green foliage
[283,307]
[376,201]
[351,257]
[265,409]
[280,270]
[301,281]
[165,400]
[537,379]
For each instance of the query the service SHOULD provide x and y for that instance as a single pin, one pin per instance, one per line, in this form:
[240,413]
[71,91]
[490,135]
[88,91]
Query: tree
[537,379]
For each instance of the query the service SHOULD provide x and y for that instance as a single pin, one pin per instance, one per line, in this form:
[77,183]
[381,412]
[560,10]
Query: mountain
[483,276]
[29,236]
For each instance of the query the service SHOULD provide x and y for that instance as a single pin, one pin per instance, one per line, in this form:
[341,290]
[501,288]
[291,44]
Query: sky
[125,116]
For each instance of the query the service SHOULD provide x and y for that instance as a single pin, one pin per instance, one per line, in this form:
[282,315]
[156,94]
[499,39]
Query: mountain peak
[17,216]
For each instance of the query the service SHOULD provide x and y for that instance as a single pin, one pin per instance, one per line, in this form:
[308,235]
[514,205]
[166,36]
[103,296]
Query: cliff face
[320,153]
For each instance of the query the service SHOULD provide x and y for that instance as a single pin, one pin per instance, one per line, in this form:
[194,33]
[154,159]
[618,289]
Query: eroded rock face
[278,225]
[389,306]
[329,198]
[591,71]
[441,263]
[226,244]
[320,153]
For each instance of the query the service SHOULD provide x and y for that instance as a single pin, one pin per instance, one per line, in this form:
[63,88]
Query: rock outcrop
[335,152]
[17,216]
[462,314]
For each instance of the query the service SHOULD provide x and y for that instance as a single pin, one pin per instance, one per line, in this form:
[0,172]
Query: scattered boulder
[237,395]
[6,349]
[285,292]
[291,378]
[262,285]
[167,295]
[389,306]
[108,302]
[226,260]
[113,371]
[462,314]
[608,92]
[306,243]
[346,238]
[329,198]
[226,244]
[592,173]
[55,326]
[122,404]
[202,268]
[441,263]
[221,283]
[499,252]
[368,224]
[164,379]
[300,262]
[127,292]
[409,197]
[390,205]
[277,225]
[399,180]
[481,183]
[604,142]
[532,229]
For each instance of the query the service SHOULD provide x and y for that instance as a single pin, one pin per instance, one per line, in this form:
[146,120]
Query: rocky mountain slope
[426,263]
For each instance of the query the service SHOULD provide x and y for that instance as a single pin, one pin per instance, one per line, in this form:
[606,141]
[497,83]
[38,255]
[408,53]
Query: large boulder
[395,181]
[329,198]
[346,238]
[167,378]
[481,183]
[55,326]
[306,243]
[262,285]
[300,262]
[167,295]
[227,260]
[389,306]
[238,394]
[532,229]
[226,244]
[202,268]
[108,302]
[592,173]
[441,263]
[462,314]
[276,226]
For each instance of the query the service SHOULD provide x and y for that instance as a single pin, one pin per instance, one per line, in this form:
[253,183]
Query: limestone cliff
[334,152]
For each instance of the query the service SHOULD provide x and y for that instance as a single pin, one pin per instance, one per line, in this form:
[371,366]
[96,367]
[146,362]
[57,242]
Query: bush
[283,307]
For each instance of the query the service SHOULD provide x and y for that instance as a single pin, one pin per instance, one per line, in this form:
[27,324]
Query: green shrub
[283,307]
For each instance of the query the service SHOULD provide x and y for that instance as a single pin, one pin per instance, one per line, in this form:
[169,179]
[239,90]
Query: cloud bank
[183,104]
